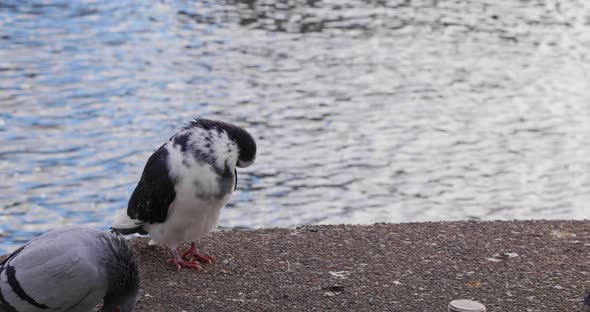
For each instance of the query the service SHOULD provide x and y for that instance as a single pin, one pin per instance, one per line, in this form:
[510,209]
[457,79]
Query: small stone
[474,284]
[336,288]
[340,274]
[562,234]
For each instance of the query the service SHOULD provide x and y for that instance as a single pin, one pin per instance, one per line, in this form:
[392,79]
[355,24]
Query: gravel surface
[507,266]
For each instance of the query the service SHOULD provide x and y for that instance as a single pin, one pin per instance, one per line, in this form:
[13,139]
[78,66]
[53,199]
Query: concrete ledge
[508,266]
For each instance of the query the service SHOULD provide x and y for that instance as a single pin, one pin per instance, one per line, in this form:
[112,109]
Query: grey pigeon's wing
[51,275]
[12,255]
[154,192]
[4,306]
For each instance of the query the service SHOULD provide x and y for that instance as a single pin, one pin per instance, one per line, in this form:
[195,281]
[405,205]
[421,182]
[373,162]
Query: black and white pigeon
[70,269]
[184,186]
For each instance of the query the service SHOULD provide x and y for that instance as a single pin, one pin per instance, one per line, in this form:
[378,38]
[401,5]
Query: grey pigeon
[184,186]
[70,269]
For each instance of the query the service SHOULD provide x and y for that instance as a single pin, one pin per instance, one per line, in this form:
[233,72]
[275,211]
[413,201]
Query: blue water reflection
[364,111]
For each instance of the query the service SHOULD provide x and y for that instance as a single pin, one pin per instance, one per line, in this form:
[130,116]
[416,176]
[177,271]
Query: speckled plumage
[186,183]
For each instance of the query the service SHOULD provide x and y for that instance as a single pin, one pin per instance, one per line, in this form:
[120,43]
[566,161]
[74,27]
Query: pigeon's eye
[118,309]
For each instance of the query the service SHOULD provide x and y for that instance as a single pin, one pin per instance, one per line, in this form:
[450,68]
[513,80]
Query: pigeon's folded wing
[154,192]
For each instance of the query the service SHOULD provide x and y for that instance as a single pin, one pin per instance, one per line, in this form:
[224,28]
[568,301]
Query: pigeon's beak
[244,164]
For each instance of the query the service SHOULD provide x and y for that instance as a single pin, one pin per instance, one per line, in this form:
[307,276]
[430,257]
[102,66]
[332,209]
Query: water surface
[364,111]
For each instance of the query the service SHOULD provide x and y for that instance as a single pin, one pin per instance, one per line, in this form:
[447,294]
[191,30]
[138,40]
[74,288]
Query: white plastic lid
[463,305]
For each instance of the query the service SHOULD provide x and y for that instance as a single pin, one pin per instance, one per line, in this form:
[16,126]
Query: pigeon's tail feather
[136,230]
[125,225]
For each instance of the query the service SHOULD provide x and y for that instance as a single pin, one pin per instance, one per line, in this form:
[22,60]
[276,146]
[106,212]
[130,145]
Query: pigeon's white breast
[188,220]
[197,206]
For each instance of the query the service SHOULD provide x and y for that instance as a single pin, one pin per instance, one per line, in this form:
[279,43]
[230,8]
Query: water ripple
[364,111]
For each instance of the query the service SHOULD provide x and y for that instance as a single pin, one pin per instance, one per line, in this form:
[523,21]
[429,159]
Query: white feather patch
[122,220]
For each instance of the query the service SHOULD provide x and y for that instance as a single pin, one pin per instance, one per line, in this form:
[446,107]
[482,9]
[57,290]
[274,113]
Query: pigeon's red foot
[194,254]
[179,263]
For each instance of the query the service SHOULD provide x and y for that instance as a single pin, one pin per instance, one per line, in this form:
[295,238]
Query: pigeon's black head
[247,148]
[122,267]
[245,142]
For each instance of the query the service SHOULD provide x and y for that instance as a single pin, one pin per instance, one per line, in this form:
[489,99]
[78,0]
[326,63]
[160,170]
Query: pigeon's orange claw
[185,264]
[194,254]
